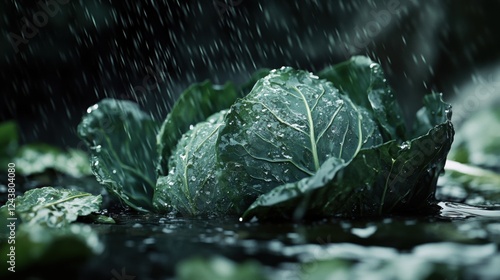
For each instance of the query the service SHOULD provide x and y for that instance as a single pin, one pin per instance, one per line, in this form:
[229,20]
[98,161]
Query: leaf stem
[470,170]
[312,136]
[60,201]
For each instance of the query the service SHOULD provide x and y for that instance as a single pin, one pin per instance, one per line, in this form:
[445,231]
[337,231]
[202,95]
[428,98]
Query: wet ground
[461,242]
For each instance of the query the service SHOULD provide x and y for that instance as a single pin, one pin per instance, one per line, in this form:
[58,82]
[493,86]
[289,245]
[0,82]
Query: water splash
[461,210]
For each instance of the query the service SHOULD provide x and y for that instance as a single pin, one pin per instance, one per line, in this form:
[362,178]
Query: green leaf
[285,128]
[42,249]
[37,158]
[312,147]
[122,142]
[55,207]
[364,82]
[433,113]
[191,186]
[379,180]
[198,268]
[195,104]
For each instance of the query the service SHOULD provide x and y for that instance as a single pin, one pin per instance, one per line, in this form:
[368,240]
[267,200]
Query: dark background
[149,51]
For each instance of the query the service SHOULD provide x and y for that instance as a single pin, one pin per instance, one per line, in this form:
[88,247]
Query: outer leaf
[378,180]
[434,112]
[55,207]
[194,105]
[191,186]
[363,81]
[37,158]
[122,141]
[286,128]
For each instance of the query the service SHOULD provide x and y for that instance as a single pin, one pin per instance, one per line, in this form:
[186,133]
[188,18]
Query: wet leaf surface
[121,139]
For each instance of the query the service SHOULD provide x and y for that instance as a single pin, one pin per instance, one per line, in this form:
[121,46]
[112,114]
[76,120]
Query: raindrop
[404,146]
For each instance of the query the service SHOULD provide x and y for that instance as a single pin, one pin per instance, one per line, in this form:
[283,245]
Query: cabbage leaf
[287,144]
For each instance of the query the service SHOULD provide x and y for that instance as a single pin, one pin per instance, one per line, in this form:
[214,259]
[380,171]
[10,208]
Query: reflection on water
[460,240]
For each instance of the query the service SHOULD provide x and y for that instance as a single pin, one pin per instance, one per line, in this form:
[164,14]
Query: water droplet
[92,108]
[405,145]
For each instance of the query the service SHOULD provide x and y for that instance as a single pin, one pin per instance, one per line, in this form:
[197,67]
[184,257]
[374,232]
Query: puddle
[461,239]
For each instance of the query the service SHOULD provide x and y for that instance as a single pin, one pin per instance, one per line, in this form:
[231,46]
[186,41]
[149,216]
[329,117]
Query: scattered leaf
[54,207]
[37,158]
